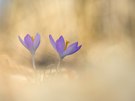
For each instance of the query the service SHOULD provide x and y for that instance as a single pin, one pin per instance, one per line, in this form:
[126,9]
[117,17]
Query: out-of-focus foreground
[103,69]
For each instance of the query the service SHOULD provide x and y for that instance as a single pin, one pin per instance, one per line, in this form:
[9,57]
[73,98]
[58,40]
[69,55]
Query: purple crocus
[63,48]
[31,43]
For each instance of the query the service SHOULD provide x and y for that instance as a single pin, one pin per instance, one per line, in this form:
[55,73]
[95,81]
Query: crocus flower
[31,43]
[63,48]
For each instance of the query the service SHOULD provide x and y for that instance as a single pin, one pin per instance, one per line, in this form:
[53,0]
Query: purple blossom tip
[62,47]
[31,43]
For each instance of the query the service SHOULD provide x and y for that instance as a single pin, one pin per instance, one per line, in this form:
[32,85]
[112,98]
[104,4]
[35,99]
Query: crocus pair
[63,48]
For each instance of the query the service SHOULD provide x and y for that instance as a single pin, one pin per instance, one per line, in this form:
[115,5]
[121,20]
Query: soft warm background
[104,68]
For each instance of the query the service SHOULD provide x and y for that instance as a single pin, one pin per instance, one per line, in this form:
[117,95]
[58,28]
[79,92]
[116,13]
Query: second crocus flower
[63,48]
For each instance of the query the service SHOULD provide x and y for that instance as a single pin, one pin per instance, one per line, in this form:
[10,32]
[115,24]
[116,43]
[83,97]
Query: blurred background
[103,69]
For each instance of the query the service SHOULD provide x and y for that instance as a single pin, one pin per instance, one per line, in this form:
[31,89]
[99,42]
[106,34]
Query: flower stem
[58,65]
[33,62]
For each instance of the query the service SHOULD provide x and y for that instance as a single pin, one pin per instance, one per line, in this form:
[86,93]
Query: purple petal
[72,49]
[36,41]
[20,39]
[29,43]
[52,41]
[60,45]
